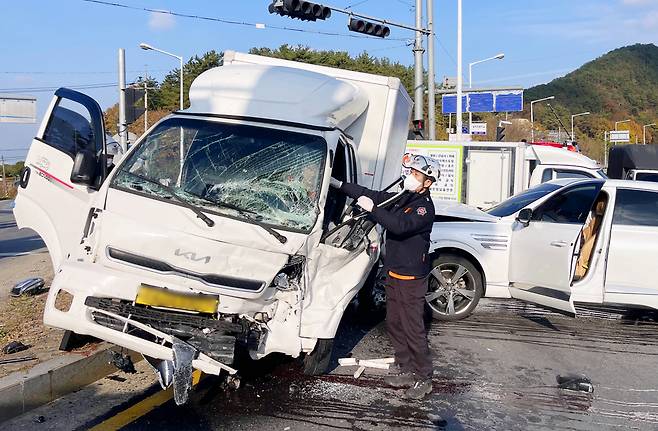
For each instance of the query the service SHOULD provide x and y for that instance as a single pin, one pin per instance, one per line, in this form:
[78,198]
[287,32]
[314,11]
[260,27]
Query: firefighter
[408,224]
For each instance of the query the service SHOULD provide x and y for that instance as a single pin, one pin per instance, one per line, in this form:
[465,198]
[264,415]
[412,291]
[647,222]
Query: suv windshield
[245,172]
[523,199]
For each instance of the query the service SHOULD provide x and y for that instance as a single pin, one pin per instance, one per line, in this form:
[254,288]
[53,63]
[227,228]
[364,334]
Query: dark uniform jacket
[408,224]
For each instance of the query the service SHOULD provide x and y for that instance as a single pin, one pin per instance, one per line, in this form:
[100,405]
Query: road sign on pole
[485,101]
[478,128]
[619,136]
[18,109]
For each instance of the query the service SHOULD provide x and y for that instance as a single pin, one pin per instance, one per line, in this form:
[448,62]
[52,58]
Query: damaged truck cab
[218,226]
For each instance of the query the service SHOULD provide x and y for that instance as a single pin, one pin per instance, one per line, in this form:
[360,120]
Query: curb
[23,391]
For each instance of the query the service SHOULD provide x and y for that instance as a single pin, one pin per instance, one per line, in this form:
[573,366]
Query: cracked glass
[242,171]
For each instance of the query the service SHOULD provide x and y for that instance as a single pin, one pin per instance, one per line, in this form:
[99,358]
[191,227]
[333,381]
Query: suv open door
[63,169]
[544,248]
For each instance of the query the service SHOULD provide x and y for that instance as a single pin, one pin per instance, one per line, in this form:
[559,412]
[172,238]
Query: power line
[46,89]
[232,22]
[74,72]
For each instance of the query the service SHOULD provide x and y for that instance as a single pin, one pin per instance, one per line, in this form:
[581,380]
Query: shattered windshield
[246,172]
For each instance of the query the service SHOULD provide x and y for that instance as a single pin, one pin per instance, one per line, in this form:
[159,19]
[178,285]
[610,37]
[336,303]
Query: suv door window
[636,208]
[570,206]
[70,129]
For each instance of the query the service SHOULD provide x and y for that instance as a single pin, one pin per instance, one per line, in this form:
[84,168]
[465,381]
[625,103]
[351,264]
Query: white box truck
[218,226]
[483,174]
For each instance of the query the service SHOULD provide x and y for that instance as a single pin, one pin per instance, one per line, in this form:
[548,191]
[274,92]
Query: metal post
[146,101]
[459,70]
[418,66]
[449,122]
[605,149]
[123,127]
[4,177]
[431,78]
[470,87]
[532,124]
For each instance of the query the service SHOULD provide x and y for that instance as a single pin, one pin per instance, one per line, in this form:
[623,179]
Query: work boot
[398,378]
[419,390]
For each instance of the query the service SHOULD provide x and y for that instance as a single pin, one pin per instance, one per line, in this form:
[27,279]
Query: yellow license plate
[159,297]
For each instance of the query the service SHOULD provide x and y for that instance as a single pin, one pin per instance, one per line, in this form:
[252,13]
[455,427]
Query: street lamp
[147,47]
[644,132]
[619,122]
[573,136]
[532,115]
[470,80]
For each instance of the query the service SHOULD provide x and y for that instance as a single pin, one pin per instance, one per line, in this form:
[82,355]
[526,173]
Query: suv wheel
[455,287]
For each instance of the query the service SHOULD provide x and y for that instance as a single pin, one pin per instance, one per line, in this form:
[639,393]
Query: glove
[366,203]
[335,183]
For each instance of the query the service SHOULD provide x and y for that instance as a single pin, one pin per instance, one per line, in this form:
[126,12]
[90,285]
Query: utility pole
[146,100]
[431,78]
[418,69]
[123,127]
[459,71]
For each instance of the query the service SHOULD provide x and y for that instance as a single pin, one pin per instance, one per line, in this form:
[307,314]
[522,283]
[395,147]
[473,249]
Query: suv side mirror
[84,168]
[524,216]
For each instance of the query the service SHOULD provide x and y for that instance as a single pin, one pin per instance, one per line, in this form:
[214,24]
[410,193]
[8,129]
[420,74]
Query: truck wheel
[455,287]
[317,362]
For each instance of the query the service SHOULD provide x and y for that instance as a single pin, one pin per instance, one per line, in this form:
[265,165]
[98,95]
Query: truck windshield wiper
[246,214]
[199,213]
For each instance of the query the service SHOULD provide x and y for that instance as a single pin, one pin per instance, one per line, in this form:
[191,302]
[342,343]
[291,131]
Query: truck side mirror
[524,216]
[84,168]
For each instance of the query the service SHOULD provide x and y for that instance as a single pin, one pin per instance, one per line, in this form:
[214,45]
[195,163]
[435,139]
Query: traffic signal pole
[360,23]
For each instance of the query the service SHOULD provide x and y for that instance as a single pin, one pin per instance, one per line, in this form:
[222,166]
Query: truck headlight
[289,278]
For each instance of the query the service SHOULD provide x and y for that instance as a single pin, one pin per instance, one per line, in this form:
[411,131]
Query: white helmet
[423,164]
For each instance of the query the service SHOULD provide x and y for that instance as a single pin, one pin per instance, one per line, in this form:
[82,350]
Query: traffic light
[500,134]
[133,112]
[304,10]
[370,28]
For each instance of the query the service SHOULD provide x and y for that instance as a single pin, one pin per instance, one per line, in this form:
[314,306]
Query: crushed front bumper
[148,331]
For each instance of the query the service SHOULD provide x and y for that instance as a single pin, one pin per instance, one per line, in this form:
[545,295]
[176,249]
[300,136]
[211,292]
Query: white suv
[572,240]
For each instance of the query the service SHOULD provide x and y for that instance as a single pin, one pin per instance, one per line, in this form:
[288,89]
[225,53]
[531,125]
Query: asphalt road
[494,371]
[15,242]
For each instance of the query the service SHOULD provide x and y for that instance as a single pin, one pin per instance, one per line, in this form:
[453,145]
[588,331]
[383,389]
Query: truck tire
[317,362]
[458,293]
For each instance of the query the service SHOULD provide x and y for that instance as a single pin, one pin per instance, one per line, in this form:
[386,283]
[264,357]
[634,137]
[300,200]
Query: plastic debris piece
[383,360]
[123,362]
[14,347]
[358,372]
[346,362]
[373,364]
[183,356]
[29,286]
[575,382]
[16,360]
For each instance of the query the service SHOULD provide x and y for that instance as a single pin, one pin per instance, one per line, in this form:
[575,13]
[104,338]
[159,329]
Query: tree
[168,95]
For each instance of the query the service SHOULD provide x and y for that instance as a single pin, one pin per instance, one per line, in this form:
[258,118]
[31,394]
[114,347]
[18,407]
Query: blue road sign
[485,101]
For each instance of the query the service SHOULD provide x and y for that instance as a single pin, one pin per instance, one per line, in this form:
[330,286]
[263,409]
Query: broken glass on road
[246,172]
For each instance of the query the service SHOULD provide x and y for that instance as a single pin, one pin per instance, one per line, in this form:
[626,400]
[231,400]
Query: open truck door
[545,243]
[64,167]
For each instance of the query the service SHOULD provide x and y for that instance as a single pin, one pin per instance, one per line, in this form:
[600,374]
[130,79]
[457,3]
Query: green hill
[620,85]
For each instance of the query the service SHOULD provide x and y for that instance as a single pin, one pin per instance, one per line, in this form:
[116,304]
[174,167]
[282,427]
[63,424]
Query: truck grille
[217,280]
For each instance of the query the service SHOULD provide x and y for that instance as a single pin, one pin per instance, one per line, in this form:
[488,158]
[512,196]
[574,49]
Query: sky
[48,44]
